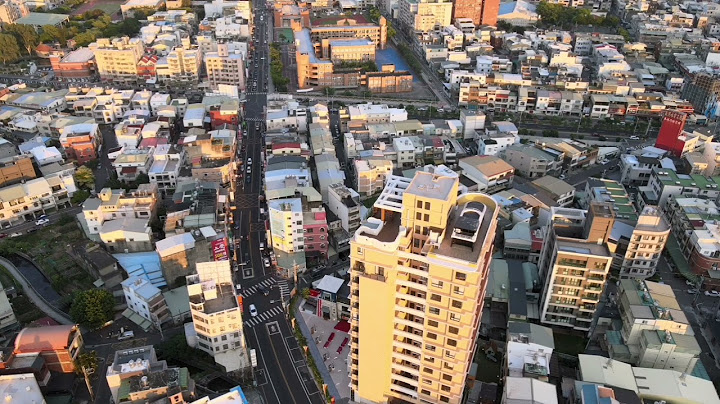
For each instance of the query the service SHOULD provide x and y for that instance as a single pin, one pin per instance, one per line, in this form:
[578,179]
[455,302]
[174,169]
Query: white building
[165,169]
[529,348]
[373,113]
[405,152]
[145,299]
[497,138]
[217,315]
[345,203]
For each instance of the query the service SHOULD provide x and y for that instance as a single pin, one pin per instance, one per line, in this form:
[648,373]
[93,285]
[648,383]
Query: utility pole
[86,373]
[156,323]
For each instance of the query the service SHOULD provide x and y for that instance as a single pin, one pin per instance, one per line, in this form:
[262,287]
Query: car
[42,220]
[238,287]
[692,291]
[713,293]
[249,170]
[15,235]
[690,283]
[126,335]
[265,291]
[562,176]
[262,245]
[249,161]
[257,126]
[253,310]
[248,179]
[266,262]
[634,138]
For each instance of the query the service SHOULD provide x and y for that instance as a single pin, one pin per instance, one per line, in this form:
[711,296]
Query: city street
[281,374]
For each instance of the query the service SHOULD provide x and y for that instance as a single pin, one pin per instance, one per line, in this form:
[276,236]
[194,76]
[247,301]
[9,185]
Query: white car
[713,293]
[634,138]
[238,287]
[690,283]
[253,311]
[42,221]
[266,262]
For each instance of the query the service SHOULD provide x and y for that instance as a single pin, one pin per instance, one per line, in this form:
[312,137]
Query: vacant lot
[48,248]
[110,7]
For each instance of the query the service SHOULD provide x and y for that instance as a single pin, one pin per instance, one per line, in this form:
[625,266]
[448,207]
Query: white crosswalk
[255,288]
[254,119]
[284,289]
[263,317]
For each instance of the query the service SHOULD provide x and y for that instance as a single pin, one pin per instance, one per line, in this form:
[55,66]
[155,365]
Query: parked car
[634,138]
[42,220]
[253,311]
[238,287]
[692,291]
[266,262]
[713,293]
[126,335]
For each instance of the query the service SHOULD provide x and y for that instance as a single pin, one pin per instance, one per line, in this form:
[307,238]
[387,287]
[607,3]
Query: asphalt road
[103,172]
[22,228]
[281,374]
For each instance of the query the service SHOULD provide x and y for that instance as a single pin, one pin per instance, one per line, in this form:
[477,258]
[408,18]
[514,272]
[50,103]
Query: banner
[220,249]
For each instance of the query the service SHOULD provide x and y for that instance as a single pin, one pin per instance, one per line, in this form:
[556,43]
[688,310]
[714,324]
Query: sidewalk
[37,300]
[316,353]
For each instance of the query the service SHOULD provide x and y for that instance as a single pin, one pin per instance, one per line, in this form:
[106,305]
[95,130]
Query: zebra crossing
[254,120]
[261,318]
[284,289]
[256,288]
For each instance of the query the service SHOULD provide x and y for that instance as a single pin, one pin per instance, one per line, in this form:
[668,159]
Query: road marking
[262,358]
[266,315]
[261,372]
[297,371]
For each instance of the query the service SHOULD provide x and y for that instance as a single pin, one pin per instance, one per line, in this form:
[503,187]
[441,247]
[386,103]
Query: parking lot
[328,340]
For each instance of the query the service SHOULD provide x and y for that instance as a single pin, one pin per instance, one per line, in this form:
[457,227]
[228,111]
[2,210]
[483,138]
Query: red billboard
[220,249]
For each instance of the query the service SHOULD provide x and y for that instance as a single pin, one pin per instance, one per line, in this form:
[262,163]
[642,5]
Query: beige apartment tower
[418,275]
[575,262]
[646,244]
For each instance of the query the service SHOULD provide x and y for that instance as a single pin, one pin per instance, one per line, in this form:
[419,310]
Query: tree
[391,32]
[142,178]
[374,14]
[92,164]
[84,177]
[26,35]
[51,33]
[9,49]
[80,196]
[87,360]
[92,308]
[329,91]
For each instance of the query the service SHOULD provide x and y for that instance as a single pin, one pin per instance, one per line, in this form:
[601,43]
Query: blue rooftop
[143,264]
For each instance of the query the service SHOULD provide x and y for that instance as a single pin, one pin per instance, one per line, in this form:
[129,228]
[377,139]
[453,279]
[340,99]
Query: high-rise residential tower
[418,276]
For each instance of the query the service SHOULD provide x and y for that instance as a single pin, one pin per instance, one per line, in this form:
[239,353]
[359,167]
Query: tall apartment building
[116,59]
[12,10]
[224,67]
[575,262]
[702,91]
[217,314]
[183,65]
[419,272]
[371,175]
[481,12]
[345,203]
[286,216]
[424,15]
[648,239]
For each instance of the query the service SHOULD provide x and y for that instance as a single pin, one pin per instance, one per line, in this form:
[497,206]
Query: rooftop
[40,19]
[555,186]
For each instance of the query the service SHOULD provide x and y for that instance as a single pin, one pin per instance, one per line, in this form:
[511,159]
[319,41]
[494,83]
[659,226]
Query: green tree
[84,177]
[625,33]
[87,360]
[142,178]
[85,38]
[92,164]
[92,308]
[391,32]
[374,14]
[26,36]
[80,196]
[9,49]
[51,33]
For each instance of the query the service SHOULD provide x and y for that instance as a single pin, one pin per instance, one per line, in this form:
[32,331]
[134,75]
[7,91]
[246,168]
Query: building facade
[419,272]
[117,59]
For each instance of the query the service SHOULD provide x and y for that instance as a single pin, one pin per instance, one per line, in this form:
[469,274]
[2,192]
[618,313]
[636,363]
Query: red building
[670,137]
[223,114]
[58,345]
[146,66]
[481,12]
[81,142]
[78,64]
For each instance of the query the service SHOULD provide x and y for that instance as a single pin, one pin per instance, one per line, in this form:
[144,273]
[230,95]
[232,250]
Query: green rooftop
[669,177]
[614,193]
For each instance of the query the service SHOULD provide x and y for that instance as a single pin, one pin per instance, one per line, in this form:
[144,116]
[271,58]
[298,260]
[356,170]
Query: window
[451,342]
[435,297]
[425,392]
[453,330]
[437,284]
[458,290]
[430,348]
[419,204]
[445,388]
[418,216]
[432,323]
[427,205]
[457,304]
[360,251]
[444,399]
[428,371]
[435,311]
[431,335]
[426,217]
[460,276]
[429,359]
[447,377]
